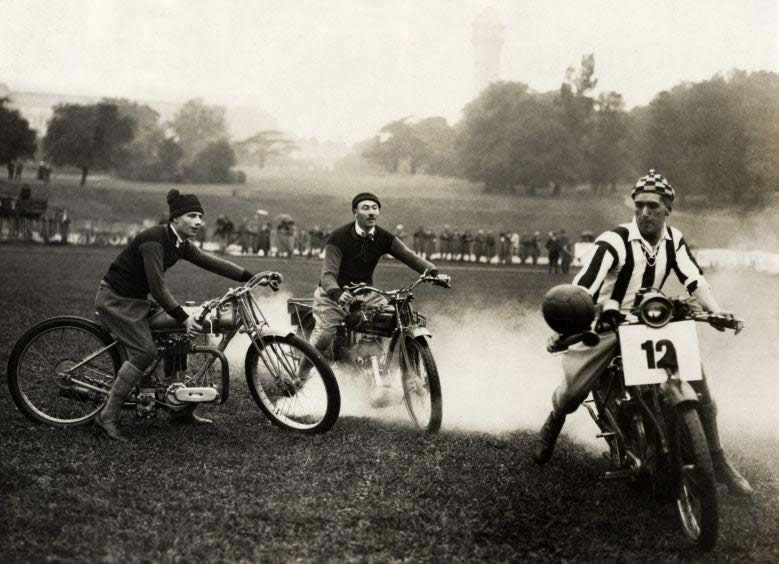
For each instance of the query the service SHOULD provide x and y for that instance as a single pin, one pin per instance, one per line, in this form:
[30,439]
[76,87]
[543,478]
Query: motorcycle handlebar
[589,338]
[267,278]
[362,288]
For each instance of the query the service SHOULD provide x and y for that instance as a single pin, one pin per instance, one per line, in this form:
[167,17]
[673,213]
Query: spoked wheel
[421,385]
[61,370]
[696,495]
[292,384]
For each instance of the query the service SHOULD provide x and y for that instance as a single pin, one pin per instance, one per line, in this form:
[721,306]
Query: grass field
[372,489]
[324,198]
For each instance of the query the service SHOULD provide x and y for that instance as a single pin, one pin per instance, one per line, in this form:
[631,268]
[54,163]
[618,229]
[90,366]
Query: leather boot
[547,437]
[724,471]
[187,417]
[105,422]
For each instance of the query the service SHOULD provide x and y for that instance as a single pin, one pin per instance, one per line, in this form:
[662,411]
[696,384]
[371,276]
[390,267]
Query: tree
[169,154]
[87,136]
[439,139]
[16,138]
[397,141]
[197,125]
[258,148]
[213,163]
[140,158]
[716,140]
[509,136]
[609,153]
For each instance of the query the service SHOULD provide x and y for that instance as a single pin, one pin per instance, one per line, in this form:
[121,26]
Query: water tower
[487,39]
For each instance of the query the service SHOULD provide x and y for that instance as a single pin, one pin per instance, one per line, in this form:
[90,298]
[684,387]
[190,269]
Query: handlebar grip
[589,338]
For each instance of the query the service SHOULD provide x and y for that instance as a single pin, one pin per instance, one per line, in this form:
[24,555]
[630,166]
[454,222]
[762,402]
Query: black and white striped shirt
[622,262]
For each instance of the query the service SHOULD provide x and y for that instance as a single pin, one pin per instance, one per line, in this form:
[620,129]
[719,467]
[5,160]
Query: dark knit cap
[364,196]
[179,204]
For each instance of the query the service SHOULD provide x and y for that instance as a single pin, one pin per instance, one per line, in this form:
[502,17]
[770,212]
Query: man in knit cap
[352,253]
[122,298]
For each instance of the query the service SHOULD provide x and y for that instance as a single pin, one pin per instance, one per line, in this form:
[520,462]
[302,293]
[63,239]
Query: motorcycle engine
[179,394]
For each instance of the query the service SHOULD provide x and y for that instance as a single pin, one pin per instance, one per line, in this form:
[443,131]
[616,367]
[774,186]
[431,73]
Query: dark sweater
[350,258]
[140,267]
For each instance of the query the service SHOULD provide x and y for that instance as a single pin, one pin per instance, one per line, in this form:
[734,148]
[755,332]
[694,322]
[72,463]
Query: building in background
[487,32]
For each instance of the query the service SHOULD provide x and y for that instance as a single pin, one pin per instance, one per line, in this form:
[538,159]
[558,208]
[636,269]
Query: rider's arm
[597,265]
[330,267]
[214,264]
[152,254]
[705,297]
[400,251]
[689,273]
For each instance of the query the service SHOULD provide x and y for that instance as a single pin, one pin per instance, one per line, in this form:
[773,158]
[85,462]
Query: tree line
[129,139]
[717,138]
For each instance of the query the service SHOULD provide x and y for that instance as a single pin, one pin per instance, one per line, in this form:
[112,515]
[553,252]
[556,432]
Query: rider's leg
[127,320]
[582,365]
[328,316]
[724,471]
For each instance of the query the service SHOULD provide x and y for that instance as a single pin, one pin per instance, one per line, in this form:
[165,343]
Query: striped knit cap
[654,183]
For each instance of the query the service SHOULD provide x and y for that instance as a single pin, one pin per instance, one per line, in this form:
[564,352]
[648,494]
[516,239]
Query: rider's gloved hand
[192,327]
[609,320]
[443,280]
[553,343]
[728,320]
[345,299]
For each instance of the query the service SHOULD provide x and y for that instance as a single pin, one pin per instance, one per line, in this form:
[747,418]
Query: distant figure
[419,241]
[18,171]
[445,243]
[553,252]
[467,243]
[535,247]
[566,252]
[263,239]
[243,235]
[479,244]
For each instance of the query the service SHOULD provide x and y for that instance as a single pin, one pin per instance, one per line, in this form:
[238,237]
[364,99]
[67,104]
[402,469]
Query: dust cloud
[497,377]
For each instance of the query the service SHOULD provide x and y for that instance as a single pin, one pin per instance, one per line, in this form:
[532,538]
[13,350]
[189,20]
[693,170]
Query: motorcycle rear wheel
[41,371]
[421,383]
[307,403]
[696,496]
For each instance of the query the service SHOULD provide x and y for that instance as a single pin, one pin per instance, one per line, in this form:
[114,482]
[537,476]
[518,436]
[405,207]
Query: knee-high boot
[724,471]
[126,379]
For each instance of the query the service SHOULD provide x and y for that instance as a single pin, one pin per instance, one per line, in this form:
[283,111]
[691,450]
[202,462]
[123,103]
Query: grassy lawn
[372,489]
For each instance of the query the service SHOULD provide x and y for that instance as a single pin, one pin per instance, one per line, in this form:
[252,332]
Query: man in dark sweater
[351,255]
[122,298]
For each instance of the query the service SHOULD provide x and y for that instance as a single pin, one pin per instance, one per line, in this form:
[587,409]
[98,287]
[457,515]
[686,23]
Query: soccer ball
[568,309]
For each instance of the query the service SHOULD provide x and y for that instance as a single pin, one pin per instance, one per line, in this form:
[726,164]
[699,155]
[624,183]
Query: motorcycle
[386,344]
[646,408]
[61,370]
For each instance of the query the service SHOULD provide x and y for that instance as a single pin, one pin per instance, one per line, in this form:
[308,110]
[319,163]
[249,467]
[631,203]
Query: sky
[341,69]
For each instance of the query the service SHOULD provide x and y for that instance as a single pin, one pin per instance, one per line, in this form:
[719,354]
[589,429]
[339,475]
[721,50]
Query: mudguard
[678,392]
[415,332]
[266,331]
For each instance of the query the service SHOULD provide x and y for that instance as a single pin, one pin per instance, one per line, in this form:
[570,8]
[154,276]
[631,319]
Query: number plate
[647,351]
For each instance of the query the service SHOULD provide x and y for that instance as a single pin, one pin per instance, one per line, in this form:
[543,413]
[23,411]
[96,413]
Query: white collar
[635,235]
[179,240]
[361,232]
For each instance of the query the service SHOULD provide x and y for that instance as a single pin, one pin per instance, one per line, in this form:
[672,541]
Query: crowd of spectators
[285,238]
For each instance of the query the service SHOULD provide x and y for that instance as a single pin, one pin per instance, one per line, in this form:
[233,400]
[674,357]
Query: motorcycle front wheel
[696,496]
[292,384]
[421,384]
[60,371]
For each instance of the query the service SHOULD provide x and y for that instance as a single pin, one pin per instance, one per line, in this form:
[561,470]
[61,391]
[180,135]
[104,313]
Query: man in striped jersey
[640,254]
